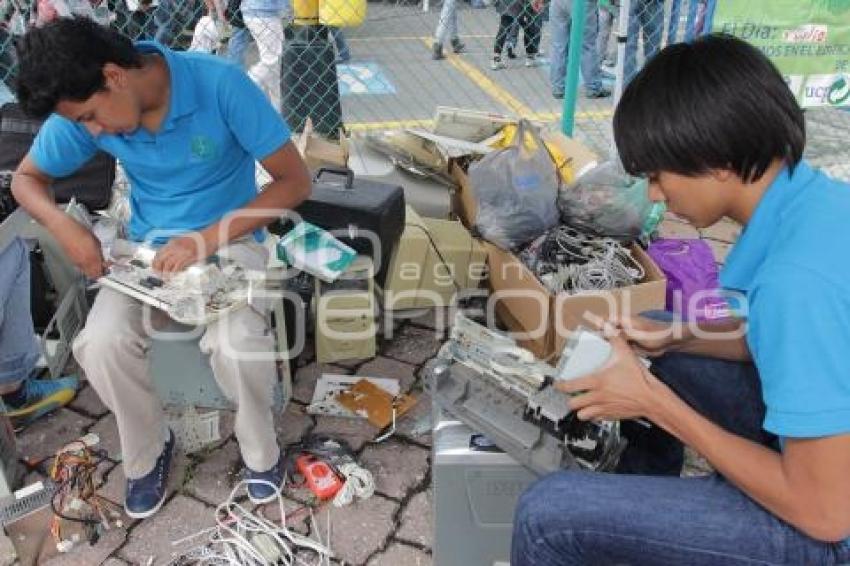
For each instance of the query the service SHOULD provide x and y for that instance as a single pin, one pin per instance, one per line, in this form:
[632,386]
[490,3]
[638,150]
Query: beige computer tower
[345,314]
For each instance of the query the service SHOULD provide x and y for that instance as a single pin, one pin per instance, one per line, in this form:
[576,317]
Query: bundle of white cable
[358,483]
[242,538]
[601,264]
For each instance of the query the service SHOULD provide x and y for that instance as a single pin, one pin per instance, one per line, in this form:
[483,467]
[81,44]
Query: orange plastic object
[321,479]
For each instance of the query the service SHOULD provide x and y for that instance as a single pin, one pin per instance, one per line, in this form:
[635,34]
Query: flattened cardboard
[377,404]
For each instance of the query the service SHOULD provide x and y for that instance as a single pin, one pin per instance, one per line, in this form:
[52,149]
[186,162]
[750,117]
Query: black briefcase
[366,215]
[91,185]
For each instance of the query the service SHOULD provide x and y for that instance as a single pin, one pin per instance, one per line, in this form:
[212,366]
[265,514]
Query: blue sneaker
[261,491]
[146,495]
[42,396]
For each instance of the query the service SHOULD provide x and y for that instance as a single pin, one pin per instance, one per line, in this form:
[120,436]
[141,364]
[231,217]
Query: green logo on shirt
[203,148]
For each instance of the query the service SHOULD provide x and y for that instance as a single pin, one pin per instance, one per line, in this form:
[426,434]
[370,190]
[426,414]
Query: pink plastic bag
[692,283]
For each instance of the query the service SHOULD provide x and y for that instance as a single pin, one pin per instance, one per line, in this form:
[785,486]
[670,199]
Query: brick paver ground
[391,528]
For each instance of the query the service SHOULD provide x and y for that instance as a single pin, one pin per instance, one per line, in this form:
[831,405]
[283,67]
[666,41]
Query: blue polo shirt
[792,262]
[199,166]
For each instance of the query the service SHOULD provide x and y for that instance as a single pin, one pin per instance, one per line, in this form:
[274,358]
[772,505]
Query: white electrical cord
[243,538]
[358,483]
[599,263]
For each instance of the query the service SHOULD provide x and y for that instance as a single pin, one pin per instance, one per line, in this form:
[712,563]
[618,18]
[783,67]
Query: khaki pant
[112,350]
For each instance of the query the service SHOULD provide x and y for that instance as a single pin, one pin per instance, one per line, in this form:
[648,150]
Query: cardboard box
[319,152]
[544,321]
[404,273]
[432,257]
[541,320]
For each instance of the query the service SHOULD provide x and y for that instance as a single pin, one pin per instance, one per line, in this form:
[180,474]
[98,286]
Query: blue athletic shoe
[146,495]
[42,397]
[260,492]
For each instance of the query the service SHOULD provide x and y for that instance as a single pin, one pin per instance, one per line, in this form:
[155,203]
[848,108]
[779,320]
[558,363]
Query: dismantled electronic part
[484,379]
[197,295]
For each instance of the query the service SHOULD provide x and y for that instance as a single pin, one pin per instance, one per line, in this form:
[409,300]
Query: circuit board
[198,295]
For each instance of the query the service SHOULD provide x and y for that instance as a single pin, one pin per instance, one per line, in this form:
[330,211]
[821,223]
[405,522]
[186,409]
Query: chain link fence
[409,56]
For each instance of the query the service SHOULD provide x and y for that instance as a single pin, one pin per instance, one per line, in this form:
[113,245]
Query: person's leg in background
[505,22]
[590,59]
[632,38]
[652,23]
[205,38]
[603,39]
[24,397]
[267,31]
[532,29]
[112,350]
[578,518]
[343,51]
[241,350]
[512,40]
[559,34]
[673,25]
[237,45]
[447,30]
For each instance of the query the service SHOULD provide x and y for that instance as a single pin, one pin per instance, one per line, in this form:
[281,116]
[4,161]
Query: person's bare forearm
[725,340]
[763,474]
[33,195]
[278,196]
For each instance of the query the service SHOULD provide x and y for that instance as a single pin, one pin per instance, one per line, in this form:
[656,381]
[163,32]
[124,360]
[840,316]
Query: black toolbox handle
[341,171]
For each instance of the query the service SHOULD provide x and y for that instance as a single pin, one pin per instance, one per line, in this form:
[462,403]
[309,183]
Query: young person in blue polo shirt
[187,128]
[766,398]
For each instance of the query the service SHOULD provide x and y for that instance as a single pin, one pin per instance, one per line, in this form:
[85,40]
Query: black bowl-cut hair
[64,59]
[715,103]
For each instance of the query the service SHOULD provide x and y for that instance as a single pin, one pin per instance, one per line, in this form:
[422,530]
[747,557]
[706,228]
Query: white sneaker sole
[144,514]
[268,499]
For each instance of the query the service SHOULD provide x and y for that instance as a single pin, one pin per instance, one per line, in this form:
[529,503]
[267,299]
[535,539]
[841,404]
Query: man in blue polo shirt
[187,128]
[764,398]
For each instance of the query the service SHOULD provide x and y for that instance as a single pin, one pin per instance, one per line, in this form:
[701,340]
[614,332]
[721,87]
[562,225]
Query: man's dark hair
[64,60]
[716,103]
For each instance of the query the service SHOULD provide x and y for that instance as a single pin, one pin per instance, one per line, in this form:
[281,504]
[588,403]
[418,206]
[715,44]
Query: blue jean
[237,45]
[645,16]
[559,22]
[447,25]
[574,517]
[19,349]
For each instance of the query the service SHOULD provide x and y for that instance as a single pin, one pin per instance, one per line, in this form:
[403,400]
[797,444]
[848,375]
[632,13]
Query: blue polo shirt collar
[752,247]
[183,101]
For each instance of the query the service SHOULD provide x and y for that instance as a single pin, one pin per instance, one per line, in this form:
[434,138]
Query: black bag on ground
[91,185]
[353,209]
[309,86]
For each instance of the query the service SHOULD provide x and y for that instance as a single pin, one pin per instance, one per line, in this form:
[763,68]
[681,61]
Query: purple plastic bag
[692,284]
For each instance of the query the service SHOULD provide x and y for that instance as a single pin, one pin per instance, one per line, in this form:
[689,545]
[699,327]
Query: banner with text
[808,40]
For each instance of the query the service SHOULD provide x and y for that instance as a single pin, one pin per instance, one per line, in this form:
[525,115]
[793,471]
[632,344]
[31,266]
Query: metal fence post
[568,115]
